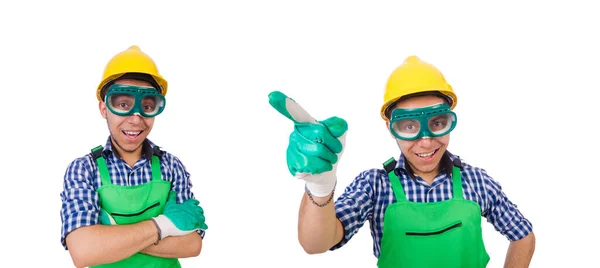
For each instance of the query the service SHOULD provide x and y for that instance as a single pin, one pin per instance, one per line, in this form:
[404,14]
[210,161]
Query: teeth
[426,155]
[132,133]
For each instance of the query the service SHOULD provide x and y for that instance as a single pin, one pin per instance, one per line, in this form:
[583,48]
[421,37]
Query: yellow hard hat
[415,76]
[131,60]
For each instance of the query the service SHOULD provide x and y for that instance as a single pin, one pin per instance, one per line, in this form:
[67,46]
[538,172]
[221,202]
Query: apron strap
[104,174]
[97,155]
[157,153]
[456,179]
[389,167]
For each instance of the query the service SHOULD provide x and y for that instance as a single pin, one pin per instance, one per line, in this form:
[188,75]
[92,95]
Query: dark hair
[135,76]
[390,108]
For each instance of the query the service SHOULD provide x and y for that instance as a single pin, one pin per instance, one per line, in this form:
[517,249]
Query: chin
[425,168]
[128,146]
[429,169]
[131,149]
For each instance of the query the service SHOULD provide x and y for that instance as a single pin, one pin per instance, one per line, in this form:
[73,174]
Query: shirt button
[429,195]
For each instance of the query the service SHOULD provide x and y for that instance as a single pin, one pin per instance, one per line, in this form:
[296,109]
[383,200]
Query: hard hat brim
[158,79]
[448,93]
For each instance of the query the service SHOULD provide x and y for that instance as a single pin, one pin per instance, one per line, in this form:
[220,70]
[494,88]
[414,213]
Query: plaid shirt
[367,197]
[80,201]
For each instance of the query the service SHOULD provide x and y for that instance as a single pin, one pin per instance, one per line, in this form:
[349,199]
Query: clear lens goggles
[432,121]
[126,100]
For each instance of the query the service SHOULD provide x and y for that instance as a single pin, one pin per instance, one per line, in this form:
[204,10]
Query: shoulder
[169,161]
[372,175]
[80,169]
[163,153]
[82,162]
[169,158]
[473,172]
[478,178]
[370,179]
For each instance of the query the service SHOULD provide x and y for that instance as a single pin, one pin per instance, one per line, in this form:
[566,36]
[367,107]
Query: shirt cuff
[201,233]
[73,222]
[519,230]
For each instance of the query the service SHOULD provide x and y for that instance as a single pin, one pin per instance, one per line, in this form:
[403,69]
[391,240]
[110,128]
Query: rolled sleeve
[503,214]
[354,207]
[181,183]
[79,199]
[201,233]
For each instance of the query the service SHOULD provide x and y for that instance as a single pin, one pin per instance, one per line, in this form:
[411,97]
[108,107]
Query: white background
[525,73]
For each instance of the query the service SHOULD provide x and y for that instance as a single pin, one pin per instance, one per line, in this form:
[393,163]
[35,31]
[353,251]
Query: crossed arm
[99,244]
[91,244]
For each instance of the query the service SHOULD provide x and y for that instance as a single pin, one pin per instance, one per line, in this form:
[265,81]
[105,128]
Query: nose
[425,142]
[135,118]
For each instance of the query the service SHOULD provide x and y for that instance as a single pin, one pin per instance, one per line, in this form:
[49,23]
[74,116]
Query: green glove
[180,219]
[315,147]
[106,219]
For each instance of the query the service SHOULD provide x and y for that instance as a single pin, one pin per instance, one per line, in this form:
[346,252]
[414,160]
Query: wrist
[158,230]
[162,224]
[320,201]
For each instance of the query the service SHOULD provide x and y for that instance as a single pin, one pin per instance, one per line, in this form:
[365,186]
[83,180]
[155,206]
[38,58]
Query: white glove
[167,228]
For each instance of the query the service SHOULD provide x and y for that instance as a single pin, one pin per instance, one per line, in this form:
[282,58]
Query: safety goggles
[432,121]
[126,100]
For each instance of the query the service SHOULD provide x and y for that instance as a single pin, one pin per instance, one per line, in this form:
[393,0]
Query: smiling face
[127,132]
[423,155]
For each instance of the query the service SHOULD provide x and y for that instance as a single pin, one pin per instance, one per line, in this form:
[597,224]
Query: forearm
[520,252]
[100,244]
[185,246]
[318,227]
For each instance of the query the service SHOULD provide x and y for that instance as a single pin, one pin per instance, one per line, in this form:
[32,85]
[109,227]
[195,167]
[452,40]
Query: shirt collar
[147,149]
[446,163]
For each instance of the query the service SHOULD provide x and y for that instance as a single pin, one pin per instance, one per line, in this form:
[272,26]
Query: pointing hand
[315,147]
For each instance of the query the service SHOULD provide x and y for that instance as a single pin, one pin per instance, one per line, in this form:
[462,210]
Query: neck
[129,157]
[426,176]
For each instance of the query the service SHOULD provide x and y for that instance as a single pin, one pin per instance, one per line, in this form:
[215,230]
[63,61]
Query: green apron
[439,234]
[132,204]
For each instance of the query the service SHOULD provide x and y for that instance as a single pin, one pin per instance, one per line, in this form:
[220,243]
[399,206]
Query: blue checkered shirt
[367,197]
[80,201]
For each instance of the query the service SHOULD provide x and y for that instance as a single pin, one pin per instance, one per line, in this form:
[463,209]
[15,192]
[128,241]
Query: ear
[387,127]
[102,108]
